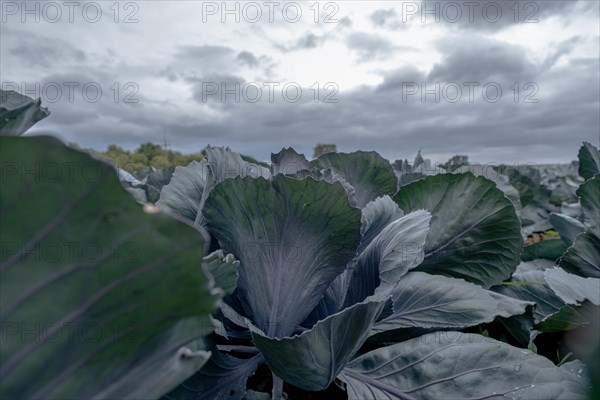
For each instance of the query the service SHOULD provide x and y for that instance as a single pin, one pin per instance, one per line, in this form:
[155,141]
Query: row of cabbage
[246,281]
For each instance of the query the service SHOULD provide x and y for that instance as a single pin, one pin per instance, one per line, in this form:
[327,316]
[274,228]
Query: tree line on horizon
[149,155]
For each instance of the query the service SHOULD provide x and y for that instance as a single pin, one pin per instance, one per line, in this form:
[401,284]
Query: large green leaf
[501,181]
[313,359]
[589,161]
[561,298]
[529,284]
[573,289]
[98,298]
[562,183]
[332,301]
[567,227]
[155,180]
[527,180]
[508,306]
[409,177]
[138,194]
[421,300]
[376,215]
[534,265]
[288,162]
[371,175]
[189,186]
[224,270]
[225,164]
[396,250]
[474,232]
[551,249]
[517,323]
[19,113]
[329,176]
[589,196]
[254,395]
[570,317]
[223,377]
[292,237]
[535,218]
[231,323]
[455,365]
[183,194]
[583,257]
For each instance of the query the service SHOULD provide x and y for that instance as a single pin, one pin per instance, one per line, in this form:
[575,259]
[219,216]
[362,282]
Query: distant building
[323,148]
[456,162]
[418,160]
[420,165]
[427,164]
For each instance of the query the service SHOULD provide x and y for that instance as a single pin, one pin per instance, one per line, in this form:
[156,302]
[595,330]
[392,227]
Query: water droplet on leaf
[517,367]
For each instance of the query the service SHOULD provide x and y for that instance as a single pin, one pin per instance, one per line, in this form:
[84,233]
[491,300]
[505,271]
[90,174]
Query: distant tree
[322,148]
[160,161]
[113,148]
[115,155]
[150,150]
[187,159]
[136,162]
[145,157]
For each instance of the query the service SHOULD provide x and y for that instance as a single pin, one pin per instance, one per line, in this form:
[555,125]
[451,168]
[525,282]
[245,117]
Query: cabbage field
[329,278]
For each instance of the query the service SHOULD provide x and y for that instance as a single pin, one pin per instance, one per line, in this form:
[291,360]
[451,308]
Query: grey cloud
[380,120]
[312,40]
[394,80]
[203,53]
[369,117]
[381,17]
[344,22]
[168,73]
[370,47]
[35,50]
[221,83]
[482,15]
[84,111]
[493,15]
[189,61]
[560,50]
[374,118]
[476,59]
[247,58]
[377,118]
[307,41]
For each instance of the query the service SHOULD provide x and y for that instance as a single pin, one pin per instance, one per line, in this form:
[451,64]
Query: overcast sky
[161,67]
